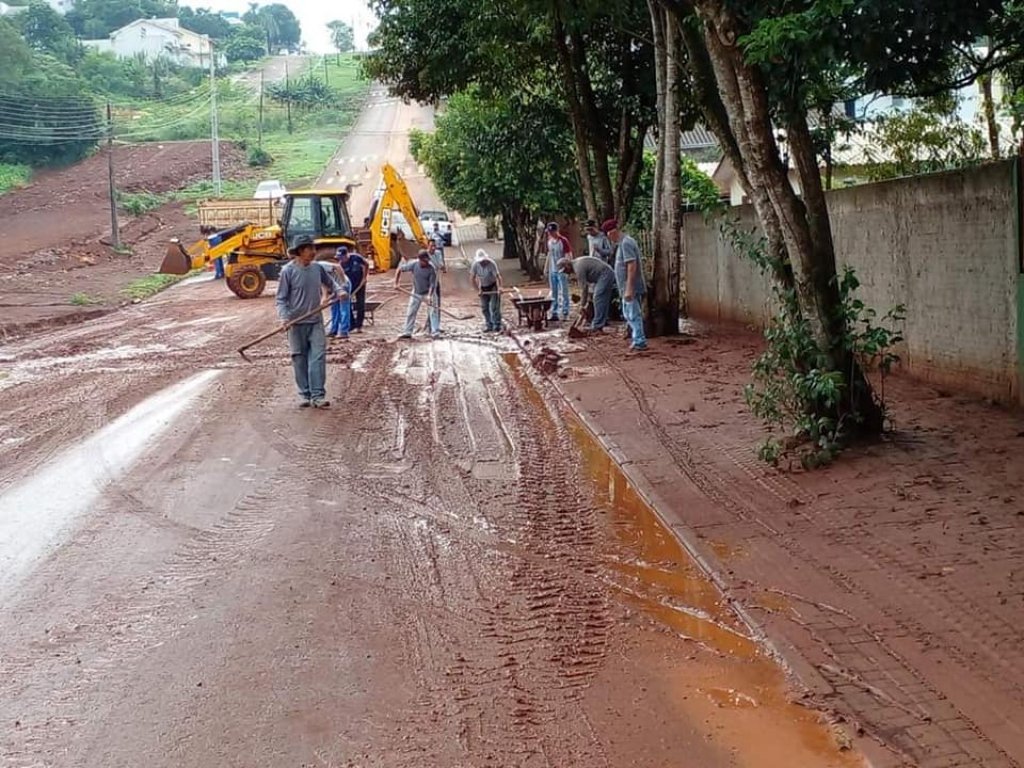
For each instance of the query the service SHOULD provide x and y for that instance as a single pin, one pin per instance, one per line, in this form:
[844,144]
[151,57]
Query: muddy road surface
[443,569]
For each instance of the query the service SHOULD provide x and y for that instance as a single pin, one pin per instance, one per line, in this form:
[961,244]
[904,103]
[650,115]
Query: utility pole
[288,96]
[260,142]
[214,126]
[115,228]
[326,78]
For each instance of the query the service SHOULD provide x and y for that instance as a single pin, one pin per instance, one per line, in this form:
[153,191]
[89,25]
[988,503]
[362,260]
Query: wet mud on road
[444,569]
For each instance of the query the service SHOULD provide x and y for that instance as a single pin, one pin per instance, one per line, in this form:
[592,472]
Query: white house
[152,38]
[11,10]
[61,6]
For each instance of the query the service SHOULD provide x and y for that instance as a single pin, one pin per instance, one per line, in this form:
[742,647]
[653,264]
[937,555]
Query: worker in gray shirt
[424,285]
[598,244]
[590,270]
[300,290]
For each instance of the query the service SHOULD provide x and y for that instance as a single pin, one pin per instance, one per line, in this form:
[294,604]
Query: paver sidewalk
[892,583]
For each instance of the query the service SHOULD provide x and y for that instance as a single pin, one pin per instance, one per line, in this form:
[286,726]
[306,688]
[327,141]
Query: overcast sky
[313,15]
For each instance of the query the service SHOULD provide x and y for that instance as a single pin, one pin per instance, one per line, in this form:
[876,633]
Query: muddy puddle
[721,679]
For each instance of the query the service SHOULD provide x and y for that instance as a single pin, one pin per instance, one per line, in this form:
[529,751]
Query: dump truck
[255,251]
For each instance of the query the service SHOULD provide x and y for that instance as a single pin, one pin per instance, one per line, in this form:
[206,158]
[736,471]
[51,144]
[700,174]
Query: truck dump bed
[215,215]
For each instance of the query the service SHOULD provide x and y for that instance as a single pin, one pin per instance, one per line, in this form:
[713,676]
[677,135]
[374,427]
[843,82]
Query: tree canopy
[280,26]
[96,19]
[342,37]
[510,156]
[205,22]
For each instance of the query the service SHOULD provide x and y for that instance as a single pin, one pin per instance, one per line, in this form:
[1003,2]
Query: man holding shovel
[300,291]
[424,284]
[592,271]
[487,281]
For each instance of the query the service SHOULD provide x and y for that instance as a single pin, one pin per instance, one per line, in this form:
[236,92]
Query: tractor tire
[247,283]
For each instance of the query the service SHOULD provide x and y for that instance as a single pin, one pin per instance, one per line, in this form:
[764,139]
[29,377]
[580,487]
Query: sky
[313,15]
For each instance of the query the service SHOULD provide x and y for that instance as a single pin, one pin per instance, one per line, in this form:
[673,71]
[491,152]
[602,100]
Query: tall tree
[755,65]
[279,24]
[597,54]
[46,30]
[205,22]
[342,37]
[503,155]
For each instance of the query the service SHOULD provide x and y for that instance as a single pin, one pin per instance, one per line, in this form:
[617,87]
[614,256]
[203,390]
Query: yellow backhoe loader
[255,253]
[386,234]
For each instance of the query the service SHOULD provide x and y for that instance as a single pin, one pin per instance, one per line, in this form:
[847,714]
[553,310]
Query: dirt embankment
[56,263]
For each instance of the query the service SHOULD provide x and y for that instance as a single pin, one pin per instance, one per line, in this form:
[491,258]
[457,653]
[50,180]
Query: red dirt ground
[892,582]
[56,231]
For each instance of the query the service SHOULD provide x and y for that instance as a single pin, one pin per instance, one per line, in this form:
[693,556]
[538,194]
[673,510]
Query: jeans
[490,306]
[633,312]
[603,299]
[358,308]
[559,282]
[341,318]
[218,268]
[308,346]
[433,315]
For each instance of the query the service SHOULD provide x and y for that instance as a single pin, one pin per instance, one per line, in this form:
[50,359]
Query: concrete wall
[945,246]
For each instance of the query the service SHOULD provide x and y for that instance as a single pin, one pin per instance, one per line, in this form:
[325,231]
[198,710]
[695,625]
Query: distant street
[380,136]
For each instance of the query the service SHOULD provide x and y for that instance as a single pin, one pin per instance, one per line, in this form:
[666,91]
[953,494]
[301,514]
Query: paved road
[441,570]
[380,136]
[275,69]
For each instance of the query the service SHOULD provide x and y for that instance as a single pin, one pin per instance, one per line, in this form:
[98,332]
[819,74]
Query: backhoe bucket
[176,261]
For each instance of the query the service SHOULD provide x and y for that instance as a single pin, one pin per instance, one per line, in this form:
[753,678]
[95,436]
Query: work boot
[321,403]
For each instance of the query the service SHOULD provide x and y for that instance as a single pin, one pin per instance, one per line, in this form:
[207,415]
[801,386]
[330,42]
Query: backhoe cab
[254,253]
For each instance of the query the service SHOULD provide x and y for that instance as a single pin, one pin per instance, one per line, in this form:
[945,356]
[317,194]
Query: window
[334,217]
[328,216]
[301,217]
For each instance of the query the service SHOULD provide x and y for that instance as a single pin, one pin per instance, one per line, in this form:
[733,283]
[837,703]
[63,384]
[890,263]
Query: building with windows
[153,38]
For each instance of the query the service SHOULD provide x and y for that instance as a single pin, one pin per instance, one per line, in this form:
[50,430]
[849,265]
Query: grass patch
[298,157]
[85,300]
[150,285]
[138,203]
[13,176]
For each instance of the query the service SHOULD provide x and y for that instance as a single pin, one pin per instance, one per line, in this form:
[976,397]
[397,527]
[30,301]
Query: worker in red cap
[629,275]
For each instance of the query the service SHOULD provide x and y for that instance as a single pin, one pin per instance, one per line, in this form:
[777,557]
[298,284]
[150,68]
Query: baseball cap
[552,227]
[609,225]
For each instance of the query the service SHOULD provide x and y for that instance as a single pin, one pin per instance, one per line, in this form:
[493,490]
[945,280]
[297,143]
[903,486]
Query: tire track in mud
[507,560]
[942,717]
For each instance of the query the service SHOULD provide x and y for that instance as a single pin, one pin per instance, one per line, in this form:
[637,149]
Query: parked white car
[444,224]
[269,190]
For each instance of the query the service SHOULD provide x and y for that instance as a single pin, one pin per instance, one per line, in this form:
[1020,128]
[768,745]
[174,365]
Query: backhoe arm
[181,261]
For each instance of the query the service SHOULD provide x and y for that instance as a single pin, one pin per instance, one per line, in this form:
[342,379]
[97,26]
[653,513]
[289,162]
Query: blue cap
[342,251]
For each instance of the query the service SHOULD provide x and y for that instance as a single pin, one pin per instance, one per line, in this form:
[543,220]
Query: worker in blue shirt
[356,270]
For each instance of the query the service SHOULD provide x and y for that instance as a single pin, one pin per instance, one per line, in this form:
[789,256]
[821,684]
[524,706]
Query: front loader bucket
[176,261]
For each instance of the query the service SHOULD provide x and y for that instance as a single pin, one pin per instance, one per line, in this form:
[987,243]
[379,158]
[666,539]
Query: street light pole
[214,127]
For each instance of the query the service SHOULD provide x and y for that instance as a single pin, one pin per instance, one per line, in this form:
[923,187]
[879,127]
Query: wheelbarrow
[532,312]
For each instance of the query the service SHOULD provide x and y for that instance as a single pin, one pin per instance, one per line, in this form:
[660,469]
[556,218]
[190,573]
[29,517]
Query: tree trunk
[663,307]
[804,228]
[578,120]
[516,226]
[989,107]
[592,125]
